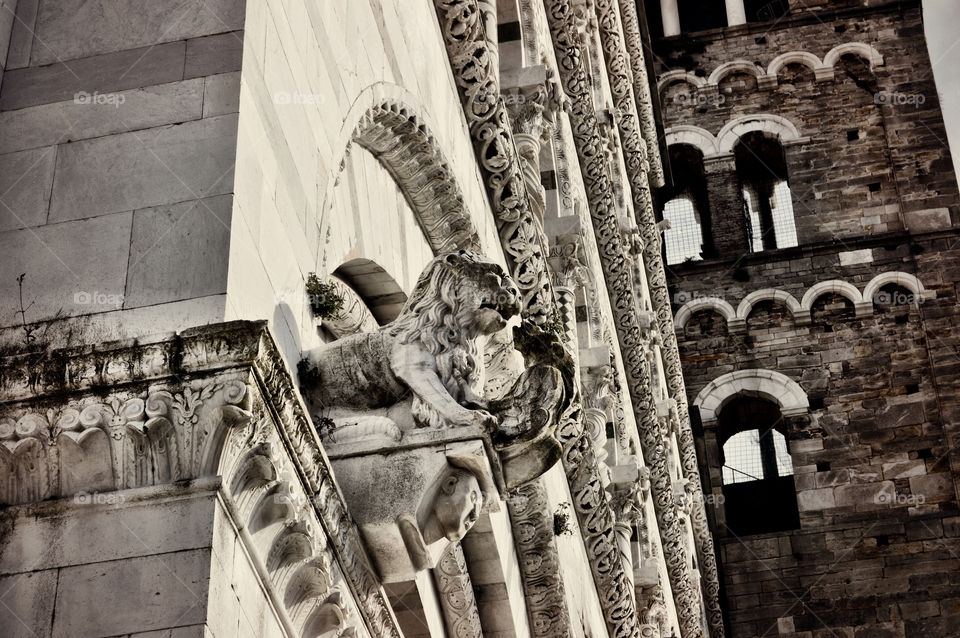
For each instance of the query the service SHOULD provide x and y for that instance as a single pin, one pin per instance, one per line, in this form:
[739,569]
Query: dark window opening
[696,15]
[758,485]
[765,10]
[767,200]
[687,208]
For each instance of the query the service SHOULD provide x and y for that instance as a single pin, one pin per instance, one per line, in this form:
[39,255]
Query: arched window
[767,201]
[757,468]
[684,238]
[687,207]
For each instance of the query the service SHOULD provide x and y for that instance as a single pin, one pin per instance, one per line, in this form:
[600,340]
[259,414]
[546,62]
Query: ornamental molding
[637,166]
[470,51]
[536,545]
[457,600]
[214,400]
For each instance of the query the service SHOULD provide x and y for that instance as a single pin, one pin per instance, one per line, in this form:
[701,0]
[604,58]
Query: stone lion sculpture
[425,366]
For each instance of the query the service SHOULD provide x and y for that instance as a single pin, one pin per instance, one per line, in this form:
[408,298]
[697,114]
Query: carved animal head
[459,297]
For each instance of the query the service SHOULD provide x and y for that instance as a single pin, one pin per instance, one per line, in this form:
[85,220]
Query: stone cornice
[172,408]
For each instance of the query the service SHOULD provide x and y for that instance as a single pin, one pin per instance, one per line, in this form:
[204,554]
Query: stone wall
[118,129]
[873,192]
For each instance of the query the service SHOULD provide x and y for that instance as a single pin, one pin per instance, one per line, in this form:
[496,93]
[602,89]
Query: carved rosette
[476,75]
[614,257]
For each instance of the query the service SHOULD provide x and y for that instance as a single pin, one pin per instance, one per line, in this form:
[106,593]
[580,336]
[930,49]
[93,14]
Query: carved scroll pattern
[614,259]
[641,88]
[473,70]
[621,83]
[536,546]
[456,594]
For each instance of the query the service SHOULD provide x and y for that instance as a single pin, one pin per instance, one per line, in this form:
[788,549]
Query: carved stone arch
[822,71]
[766,384]
[774,125]
[734,66]
[695,136]
[671,77]
[720,306]
[373,287]
[835,286]
[769,294]
[861,49]
[390,123]
[902,279]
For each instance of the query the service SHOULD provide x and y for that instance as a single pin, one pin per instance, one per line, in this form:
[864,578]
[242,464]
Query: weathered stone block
[866,495]
[87,274]
[146,168]
[820,499]
[151,592]
[179,251]
[114,25]
[71,120]
[933,487]
[100,75]
[213,54]
[26,603]
[25,180]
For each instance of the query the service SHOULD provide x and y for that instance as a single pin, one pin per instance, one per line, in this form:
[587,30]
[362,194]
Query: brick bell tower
[814,257]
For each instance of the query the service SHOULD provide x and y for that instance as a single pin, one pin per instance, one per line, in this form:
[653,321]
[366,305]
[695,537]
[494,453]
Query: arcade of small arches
[768,77]
[863,302]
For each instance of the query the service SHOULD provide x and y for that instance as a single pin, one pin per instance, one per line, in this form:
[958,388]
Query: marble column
[670,15]
[735,13]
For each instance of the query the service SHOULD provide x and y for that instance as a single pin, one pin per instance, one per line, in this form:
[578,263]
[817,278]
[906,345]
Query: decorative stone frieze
[536,546]
[614,257]
[404,145]
[635,156]
[476,74]
[216,400]
[457,599]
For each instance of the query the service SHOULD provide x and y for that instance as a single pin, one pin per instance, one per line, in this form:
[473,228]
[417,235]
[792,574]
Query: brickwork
[877,550]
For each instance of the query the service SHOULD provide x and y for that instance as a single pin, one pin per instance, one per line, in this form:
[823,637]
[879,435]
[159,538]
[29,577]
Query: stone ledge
[209,401]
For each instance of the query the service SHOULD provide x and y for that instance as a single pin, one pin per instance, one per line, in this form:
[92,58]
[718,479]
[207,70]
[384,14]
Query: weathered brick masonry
[877,553]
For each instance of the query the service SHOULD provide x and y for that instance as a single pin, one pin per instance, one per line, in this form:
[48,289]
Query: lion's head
[459,297]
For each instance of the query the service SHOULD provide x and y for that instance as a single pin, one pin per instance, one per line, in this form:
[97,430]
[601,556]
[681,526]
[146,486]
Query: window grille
[684,239]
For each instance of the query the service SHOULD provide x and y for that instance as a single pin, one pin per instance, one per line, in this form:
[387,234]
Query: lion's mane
[436,316]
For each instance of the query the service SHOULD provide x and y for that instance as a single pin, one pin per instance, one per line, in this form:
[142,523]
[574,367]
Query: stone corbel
[412,504]
[399,406]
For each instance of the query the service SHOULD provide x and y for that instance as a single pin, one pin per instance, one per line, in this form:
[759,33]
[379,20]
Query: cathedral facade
[475,318]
